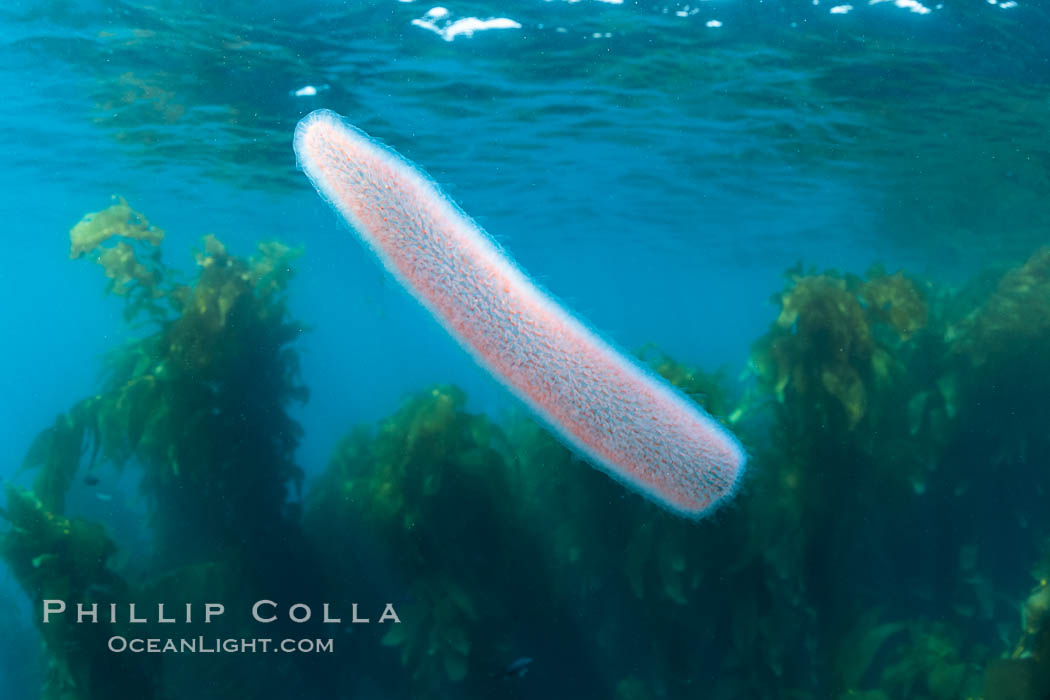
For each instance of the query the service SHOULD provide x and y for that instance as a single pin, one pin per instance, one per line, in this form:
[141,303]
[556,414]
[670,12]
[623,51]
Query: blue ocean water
[657,165]
[655,173]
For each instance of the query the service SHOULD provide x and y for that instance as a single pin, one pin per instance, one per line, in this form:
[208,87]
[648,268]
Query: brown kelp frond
[827,345]
[117,220]
[897,301]
[1016,316]
[132,264]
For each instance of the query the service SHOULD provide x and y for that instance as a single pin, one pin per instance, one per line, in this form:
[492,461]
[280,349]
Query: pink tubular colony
[626,420]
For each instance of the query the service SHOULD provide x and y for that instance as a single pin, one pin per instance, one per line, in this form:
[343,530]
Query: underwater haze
[824,221]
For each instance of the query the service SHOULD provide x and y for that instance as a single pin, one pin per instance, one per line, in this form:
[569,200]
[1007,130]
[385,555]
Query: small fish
[103,497]
[91,480]
[515,669]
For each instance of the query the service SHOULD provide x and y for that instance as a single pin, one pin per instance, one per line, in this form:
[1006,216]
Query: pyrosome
[624,418]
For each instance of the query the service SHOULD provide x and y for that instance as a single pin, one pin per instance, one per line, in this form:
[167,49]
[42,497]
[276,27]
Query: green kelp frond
[40,542]
[432,484]
[57,453]
[57,558]
[429,465]
[107,427]
[907,659]
[435,639]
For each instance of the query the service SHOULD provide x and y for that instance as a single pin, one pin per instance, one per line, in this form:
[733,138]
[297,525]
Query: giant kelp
[198,405]
[831,345]
[462,509]
[894,406]
[1025,674]
[998,364]
[430,485]
[880,546]
[840,362]
[57,558]
[201,402]
[908,660]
